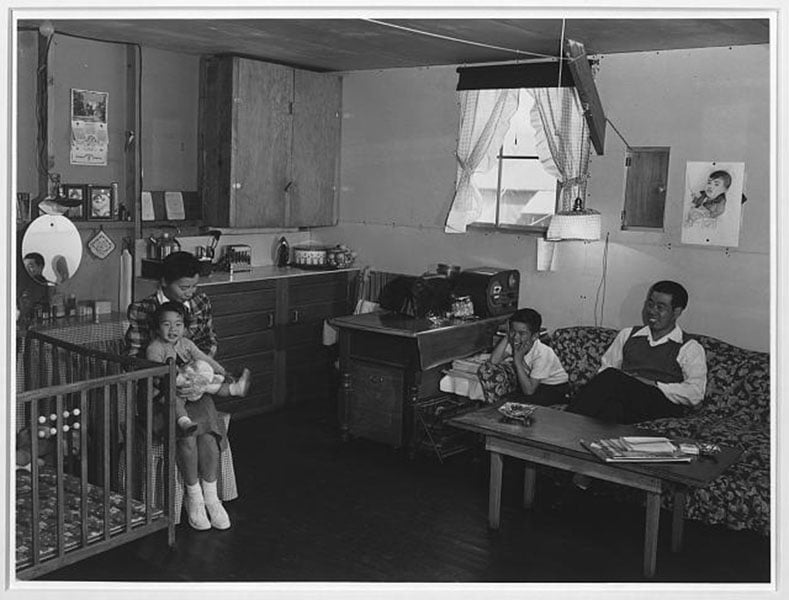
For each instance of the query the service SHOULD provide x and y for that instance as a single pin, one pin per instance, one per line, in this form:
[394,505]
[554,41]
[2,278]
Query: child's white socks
[195,507]
[216,512]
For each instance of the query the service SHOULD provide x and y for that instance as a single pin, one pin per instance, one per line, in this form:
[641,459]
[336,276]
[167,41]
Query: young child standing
[538,370]
[198,373]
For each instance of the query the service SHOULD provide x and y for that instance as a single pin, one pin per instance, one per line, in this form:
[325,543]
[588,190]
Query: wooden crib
[94,409]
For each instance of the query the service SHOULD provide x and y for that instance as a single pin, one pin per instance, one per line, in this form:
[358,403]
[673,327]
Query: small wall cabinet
[269,140]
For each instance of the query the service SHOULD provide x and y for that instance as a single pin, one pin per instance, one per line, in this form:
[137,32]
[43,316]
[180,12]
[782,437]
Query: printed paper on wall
[713,203]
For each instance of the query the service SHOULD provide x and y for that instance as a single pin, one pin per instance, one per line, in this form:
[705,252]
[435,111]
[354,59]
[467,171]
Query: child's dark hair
[166,307]
[723,176]
[530,317]
[35,257]
[178,265]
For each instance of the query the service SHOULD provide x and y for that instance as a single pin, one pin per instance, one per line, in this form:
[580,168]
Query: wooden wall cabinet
[269,139]
[274,327]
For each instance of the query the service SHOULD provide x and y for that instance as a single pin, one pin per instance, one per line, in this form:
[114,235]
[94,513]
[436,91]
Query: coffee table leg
[494,498]
[678,520]
[651,533]
[529,477]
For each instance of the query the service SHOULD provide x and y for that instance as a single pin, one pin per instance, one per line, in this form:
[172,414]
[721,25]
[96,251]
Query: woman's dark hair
[679,295]
[530,317]
[165,307]
[179,264]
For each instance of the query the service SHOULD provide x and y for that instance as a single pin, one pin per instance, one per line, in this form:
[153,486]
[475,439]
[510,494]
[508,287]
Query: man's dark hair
[679,295]
[179,264]
[38,258]
[165,307]
[530,317]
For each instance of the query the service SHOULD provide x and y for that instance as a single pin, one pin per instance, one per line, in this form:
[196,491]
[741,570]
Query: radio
[493,291]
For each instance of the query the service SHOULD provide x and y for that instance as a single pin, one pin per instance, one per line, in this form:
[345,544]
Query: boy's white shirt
[543,363]
[691,359]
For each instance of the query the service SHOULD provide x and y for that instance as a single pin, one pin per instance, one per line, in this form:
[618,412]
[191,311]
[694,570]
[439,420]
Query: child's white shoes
[241,386]
[217,515]
[216,512]
[196,511]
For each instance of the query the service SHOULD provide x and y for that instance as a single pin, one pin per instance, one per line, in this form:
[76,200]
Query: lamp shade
[583,224]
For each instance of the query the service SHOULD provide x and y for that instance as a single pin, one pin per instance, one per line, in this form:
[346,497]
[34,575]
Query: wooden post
[494,494]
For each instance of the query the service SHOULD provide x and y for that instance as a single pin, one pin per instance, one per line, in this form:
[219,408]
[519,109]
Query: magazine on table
[641,449]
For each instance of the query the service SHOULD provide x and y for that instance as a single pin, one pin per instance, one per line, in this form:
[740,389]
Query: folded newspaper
[640,449]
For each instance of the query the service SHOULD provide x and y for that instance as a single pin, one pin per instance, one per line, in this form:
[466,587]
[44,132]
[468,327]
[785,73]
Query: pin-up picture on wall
[713,203]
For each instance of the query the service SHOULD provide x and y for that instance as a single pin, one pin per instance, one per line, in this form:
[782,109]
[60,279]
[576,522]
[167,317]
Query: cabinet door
[308,363]
[316,147]
[261,143]
[376,403]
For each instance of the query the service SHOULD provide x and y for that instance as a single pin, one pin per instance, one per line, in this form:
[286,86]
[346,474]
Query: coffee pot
[164,245]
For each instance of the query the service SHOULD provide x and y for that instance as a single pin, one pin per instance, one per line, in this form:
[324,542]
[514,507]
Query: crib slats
[95,383]
[35,510]
[150,471]
[129,441]
[170,471]
[83,466]
[60,474]
[105,435]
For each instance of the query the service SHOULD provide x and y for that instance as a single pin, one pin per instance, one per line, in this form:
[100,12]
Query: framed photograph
[99,204]
[75,192]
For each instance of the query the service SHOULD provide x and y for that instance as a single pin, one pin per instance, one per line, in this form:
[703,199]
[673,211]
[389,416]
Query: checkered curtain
[563,142]
[484,120]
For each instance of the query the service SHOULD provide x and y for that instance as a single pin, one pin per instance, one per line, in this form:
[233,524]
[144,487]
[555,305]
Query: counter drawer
[230,325]
[248,343]
[242,302]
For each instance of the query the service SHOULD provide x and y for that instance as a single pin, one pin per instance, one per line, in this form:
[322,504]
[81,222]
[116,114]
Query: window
[517,192]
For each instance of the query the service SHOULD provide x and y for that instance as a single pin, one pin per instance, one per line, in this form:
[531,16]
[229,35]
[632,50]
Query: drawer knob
[376,379]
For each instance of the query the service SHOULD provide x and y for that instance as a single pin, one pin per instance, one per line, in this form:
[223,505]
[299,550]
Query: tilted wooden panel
[316,149]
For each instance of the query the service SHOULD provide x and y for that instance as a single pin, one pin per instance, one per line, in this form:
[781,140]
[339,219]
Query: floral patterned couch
[735,412]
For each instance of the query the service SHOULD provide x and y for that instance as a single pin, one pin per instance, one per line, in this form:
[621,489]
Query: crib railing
[90,405]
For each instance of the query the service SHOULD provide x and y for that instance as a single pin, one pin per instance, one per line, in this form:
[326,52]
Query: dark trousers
[545,395]
[613,395]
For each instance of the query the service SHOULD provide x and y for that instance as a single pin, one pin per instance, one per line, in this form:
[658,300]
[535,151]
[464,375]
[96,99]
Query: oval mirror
[55,240]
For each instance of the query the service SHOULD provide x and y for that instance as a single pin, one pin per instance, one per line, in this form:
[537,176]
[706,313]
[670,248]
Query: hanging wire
[601,287]
[629,147]
[460,40]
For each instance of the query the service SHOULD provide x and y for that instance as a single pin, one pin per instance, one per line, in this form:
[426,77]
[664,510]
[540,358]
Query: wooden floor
[315,509]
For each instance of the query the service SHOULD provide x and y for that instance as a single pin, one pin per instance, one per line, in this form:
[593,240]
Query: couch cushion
[580,349]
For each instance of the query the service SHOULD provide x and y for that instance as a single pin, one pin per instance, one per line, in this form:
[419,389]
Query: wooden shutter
[645,187]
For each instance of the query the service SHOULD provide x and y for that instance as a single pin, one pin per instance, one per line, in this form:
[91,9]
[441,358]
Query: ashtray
[515,411]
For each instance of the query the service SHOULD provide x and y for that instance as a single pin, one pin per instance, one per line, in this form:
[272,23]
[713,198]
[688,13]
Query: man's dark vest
[658,363]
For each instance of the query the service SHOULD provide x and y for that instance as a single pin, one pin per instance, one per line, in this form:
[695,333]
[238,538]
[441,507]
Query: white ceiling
[358,44]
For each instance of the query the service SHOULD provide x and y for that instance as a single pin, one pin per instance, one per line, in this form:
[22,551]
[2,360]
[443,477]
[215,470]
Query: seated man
[651,371]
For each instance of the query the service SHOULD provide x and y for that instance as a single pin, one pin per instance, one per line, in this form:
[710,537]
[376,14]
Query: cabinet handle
[376,379]
[271,320]
[237,186]
[294,315]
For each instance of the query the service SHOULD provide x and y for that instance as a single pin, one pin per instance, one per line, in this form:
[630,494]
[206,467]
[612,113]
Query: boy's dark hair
[38,258]
[530,317]
[679,295]
[175,307]
[723,176]
[179,264]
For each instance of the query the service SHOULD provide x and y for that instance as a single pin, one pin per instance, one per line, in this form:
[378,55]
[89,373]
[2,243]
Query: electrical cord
[601,286]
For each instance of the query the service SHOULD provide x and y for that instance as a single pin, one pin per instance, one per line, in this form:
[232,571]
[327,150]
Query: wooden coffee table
[554,439]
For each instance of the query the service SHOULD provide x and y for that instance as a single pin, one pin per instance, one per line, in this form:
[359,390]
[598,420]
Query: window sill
[516,229]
